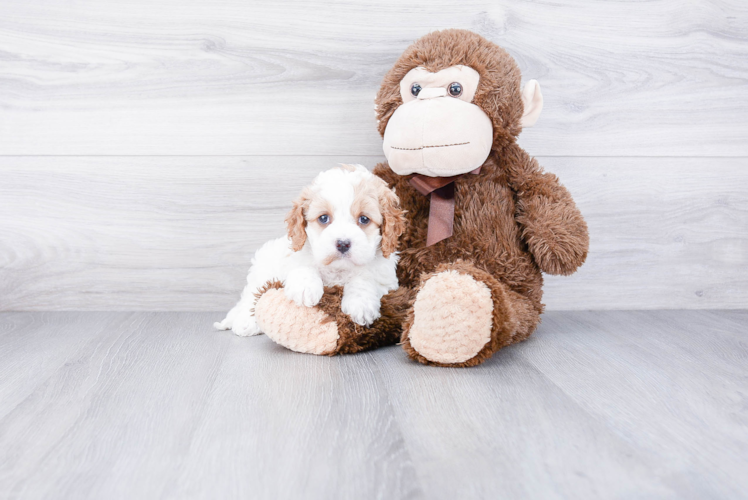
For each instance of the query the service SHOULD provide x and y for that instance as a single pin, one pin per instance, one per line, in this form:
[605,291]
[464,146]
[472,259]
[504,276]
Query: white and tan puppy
[342,230]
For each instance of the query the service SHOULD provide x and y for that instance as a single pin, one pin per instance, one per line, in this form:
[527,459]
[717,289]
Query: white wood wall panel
[148,147]
[238,77]
[177,233]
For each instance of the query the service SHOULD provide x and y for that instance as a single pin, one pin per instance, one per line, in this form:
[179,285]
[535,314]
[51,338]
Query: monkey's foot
[325,329]
[298,328]
[459,318]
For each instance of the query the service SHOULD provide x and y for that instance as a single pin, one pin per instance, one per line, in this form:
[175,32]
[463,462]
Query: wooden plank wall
[148,147]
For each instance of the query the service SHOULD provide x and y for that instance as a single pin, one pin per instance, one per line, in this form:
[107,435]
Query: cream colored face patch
[465,76]
[438,131]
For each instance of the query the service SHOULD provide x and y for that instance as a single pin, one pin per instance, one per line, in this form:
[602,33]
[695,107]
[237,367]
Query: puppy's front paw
[362,310]
[304,289]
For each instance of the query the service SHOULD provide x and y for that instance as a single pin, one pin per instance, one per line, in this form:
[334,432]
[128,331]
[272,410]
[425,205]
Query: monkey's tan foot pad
[452,320]
[298,328]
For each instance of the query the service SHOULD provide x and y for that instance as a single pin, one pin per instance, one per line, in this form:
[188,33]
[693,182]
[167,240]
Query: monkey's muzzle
[437,135]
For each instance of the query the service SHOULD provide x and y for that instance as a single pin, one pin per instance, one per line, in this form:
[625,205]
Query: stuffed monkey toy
[483,219]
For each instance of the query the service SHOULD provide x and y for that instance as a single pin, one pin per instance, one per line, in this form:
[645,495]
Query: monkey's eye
[415,89]
[455,89]
[363,220]
[323,219]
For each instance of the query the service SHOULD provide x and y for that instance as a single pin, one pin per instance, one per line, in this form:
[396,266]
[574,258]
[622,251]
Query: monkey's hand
[552,225]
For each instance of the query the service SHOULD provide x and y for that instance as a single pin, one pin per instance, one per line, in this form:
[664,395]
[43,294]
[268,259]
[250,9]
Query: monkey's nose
[430,93]
[343,245]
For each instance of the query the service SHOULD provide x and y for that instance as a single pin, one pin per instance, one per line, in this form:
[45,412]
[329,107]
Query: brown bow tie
[442,209]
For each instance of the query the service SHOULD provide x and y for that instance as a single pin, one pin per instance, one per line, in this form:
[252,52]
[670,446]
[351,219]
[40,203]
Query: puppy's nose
[343,245]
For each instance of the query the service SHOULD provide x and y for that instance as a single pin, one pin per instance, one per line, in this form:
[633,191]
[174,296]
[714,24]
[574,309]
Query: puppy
[342,230]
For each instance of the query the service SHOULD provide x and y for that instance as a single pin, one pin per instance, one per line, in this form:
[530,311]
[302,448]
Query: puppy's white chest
[332,276]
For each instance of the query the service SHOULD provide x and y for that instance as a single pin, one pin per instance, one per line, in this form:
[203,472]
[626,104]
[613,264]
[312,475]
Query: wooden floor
[158,405]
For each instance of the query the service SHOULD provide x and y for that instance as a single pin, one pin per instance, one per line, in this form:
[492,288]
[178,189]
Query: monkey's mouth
[426,147]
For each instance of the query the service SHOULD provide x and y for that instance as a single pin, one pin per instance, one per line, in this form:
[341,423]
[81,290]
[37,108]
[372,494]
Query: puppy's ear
[393,219]
[296,220]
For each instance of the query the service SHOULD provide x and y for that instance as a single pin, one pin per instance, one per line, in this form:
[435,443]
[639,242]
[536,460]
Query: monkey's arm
[552,225]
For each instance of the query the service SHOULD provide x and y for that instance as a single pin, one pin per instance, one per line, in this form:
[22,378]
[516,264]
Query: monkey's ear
[296,221]
[533,101]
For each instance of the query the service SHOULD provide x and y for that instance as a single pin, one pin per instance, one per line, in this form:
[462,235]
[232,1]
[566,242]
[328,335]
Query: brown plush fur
[511,223]
[384,331]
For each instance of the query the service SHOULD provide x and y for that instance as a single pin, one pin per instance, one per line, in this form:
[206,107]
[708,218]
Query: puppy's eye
[323,219]
[455,89]
[415,89]
[363,220]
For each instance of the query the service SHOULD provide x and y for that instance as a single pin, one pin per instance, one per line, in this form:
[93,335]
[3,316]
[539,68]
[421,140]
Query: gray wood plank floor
[158,405]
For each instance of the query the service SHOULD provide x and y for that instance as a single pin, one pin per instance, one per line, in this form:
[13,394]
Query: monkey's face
[448,101]
[438,131]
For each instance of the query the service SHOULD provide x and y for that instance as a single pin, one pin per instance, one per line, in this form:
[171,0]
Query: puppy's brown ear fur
[296,220]
[393,219]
